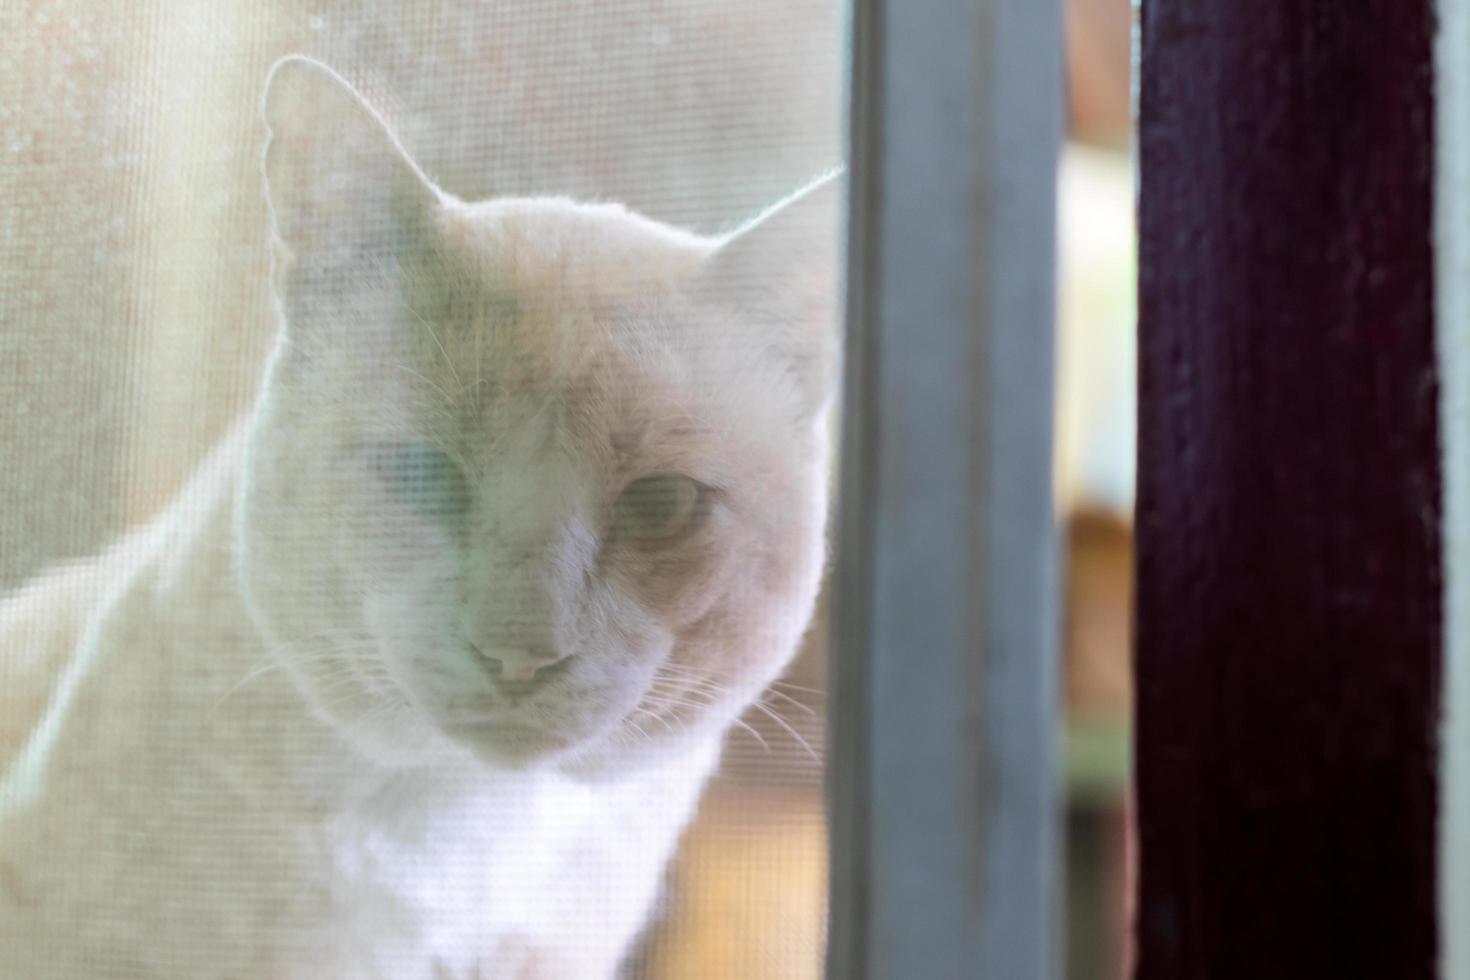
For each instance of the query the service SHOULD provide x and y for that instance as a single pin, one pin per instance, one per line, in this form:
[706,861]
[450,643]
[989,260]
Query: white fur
[262,738]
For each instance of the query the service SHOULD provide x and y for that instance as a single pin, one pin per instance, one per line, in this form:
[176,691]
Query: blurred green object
[1097,761]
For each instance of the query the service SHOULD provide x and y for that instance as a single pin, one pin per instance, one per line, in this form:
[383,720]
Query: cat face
[530,480]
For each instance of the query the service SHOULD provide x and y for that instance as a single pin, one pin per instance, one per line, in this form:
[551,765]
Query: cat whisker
[338,677]
[428,381]
[339,631]
[798,688]
[348,667]
[711,692]
[766,710]
[326,640]
[371,682]
[623,735]
[786,697]
[376,714]
[271,663]
[356,694]
[682,681]
[448,361]
[675,702]
[656,717]
[681,670]
[701,698]
[636,727]
[331,651]
[377,703]
[686,676]
[678,668]
[742,724]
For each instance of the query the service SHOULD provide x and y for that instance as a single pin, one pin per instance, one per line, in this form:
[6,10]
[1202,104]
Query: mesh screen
[393,672]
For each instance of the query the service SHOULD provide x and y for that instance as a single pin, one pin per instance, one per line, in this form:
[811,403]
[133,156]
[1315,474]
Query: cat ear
[341,187]
[780,272]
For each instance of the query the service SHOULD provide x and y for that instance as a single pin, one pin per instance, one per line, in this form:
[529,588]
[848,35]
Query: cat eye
[423,477]
[658,508]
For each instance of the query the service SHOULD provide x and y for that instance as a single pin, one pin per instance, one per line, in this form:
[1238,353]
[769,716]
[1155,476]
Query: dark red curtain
[1288,600]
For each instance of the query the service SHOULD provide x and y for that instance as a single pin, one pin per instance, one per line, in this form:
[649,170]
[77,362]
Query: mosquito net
[383,571]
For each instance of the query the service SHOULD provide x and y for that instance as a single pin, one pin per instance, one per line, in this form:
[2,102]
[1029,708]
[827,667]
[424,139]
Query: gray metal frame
[945,830]
[1452,324]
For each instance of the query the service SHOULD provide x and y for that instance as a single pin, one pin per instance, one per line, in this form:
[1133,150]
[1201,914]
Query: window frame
[943,778]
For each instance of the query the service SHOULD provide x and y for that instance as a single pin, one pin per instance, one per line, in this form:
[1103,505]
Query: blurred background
[134,319]
[1095,470]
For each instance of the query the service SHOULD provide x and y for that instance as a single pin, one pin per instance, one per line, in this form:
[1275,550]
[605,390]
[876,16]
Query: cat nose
[517,665]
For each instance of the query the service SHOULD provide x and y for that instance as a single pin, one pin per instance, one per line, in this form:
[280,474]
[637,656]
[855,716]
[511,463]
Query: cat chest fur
[242,839]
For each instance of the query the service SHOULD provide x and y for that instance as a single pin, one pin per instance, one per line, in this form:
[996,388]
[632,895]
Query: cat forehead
[610,405]
[544,308]
[603,401]
[556,247]
[555,298]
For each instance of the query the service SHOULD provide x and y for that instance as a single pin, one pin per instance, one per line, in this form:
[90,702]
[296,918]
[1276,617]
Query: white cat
[422,673]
